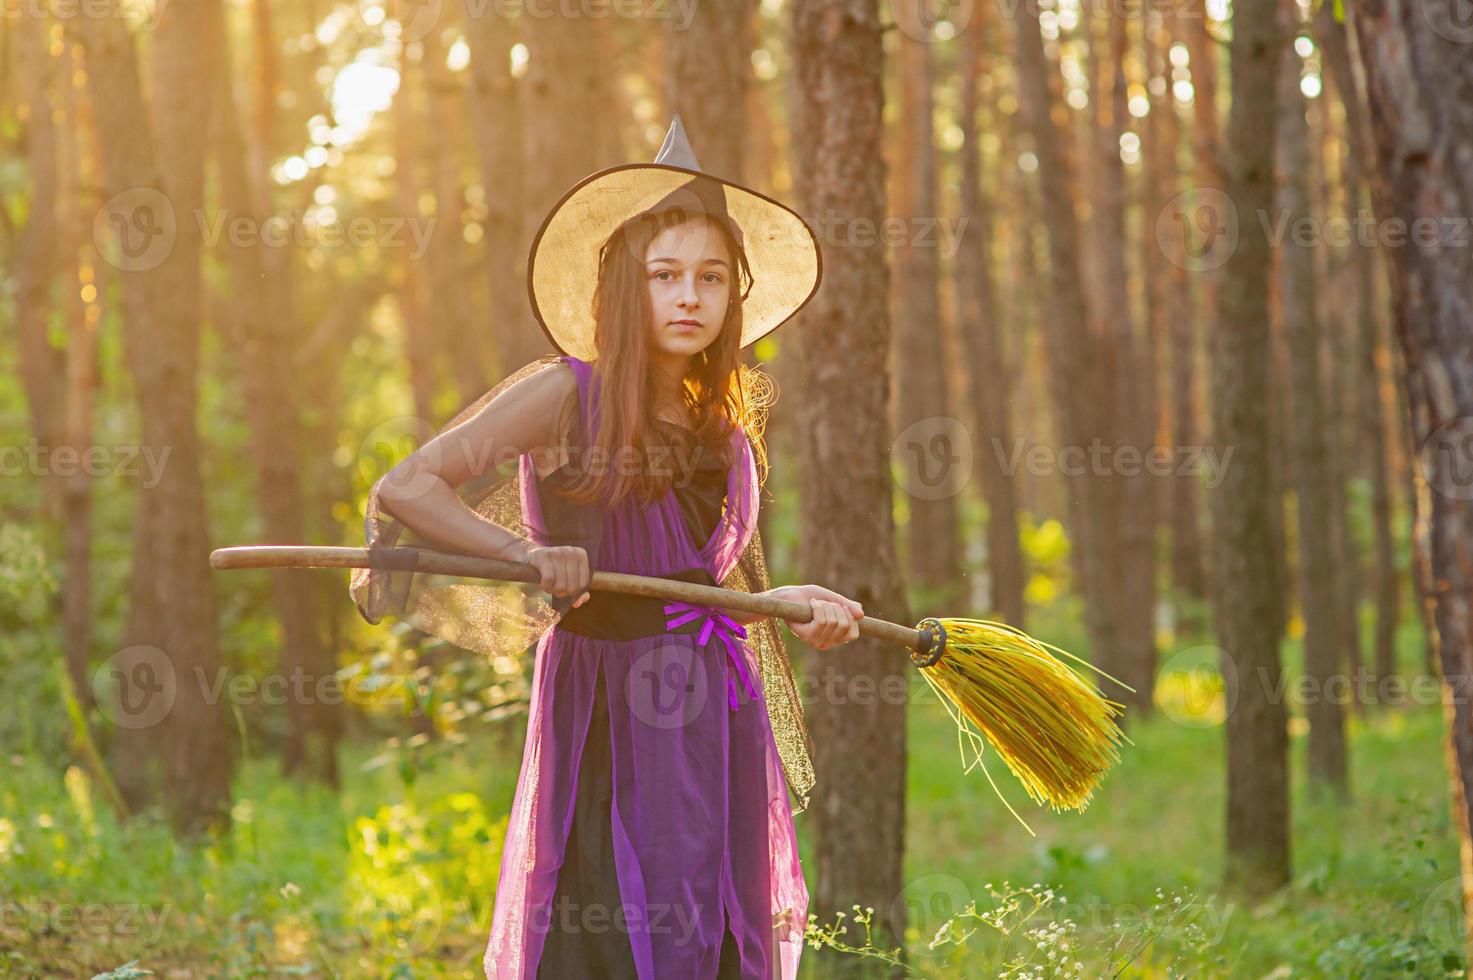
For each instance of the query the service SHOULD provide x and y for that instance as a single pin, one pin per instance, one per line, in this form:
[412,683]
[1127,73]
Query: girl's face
[689,278]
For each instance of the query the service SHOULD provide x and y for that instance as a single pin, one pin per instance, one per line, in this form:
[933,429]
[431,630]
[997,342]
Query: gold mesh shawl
[506,620]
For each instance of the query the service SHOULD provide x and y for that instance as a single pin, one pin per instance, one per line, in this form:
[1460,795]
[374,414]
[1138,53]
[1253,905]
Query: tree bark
[1369,417]
[1420,93]
[495,97]
[708,65]
[1175,327]
[171,624]
[420,349]
[42,366]
[930,451]
[459,337]
[256,320]
[1075,355]
[1248,583]
[844,333]
[564,77]
[978,320]
[74,160]
[1126,381]
[1309,435]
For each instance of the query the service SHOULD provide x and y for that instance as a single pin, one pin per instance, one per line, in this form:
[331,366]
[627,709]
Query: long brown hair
[720,391]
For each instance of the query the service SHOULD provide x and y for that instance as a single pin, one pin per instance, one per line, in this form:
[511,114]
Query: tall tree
[708,65]
[414,283]
[844,337]
[1172,322]
[42,366]
[1206,138]
[1248,579]
[1083,407]
[1370,419]
[1127,383]
[456,333]
[1308,438]
[495,97]
[978,321]
[171,624]
[565,76]
[75,164]
[922,410]
[1415,61]
[256,319]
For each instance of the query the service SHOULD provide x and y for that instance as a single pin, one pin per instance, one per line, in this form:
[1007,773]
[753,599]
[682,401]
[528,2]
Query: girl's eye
[714,277]
[662,272]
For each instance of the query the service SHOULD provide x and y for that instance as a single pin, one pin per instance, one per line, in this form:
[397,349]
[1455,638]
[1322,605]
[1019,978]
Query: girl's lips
[685,325]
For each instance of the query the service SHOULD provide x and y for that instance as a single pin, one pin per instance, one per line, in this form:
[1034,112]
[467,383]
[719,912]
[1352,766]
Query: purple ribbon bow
[680,613]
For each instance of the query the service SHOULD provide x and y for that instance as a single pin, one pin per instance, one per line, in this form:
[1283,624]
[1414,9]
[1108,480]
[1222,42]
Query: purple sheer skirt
[703,835]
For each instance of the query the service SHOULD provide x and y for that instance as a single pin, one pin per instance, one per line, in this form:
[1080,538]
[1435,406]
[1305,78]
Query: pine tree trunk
[458,335]
[1248,583]
[495,97]
[171,632]
[256,319]
[1075,356]
[929,436]
[42,366]
[563,141]
[420,348]
[1415,59]
[1309,433]
[844,335]
[978,320]
[707,69]
[1175,329]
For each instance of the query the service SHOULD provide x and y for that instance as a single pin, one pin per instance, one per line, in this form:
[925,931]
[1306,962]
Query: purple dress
[689,803]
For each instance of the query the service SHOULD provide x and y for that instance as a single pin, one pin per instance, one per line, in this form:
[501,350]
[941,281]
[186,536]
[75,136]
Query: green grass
[395,879]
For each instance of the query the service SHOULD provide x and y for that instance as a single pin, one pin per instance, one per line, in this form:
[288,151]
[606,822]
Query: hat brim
[562,265]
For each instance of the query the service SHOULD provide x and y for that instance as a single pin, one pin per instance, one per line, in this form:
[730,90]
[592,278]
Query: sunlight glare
[360,92]
[459,55]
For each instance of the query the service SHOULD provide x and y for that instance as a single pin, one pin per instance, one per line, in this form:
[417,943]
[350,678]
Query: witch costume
[651,833]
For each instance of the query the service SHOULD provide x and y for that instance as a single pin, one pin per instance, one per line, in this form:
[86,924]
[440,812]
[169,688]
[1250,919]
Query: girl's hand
[564,570]
[835,617]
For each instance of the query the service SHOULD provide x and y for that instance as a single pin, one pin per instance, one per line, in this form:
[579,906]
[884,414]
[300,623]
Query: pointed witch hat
[780,252]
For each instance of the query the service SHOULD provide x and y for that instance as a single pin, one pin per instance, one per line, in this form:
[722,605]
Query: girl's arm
[531,416]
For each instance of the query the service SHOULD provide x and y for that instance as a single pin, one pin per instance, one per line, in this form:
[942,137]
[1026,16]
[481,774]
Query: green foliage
[408,864]
[1029,932]
[30,657]
[1046,549]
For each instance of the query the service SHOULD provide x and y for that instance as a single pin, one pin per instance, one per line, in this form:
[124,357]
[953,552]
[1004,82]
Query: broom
[1052,727]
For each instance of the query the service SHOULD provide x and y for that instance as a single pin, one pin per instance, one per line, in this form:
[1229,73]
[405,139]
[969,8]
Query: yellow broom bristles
[1055,730]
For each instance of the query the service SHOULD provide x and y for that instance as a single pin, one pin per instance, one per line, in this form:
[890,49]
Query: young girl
[651,833]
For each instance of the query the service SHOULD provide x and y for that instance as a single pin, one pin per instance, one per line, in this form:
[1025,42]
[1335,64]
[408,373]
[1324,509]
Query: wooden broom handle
[468,566]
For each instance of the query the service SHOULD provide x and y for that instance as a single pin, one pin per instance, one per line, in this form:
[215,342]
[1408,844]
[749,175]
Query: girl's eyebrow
[674,261]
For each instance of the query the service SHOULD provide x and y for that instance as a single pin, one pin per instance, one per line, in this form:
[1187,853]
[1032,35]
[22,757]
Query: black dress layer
[587,877]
